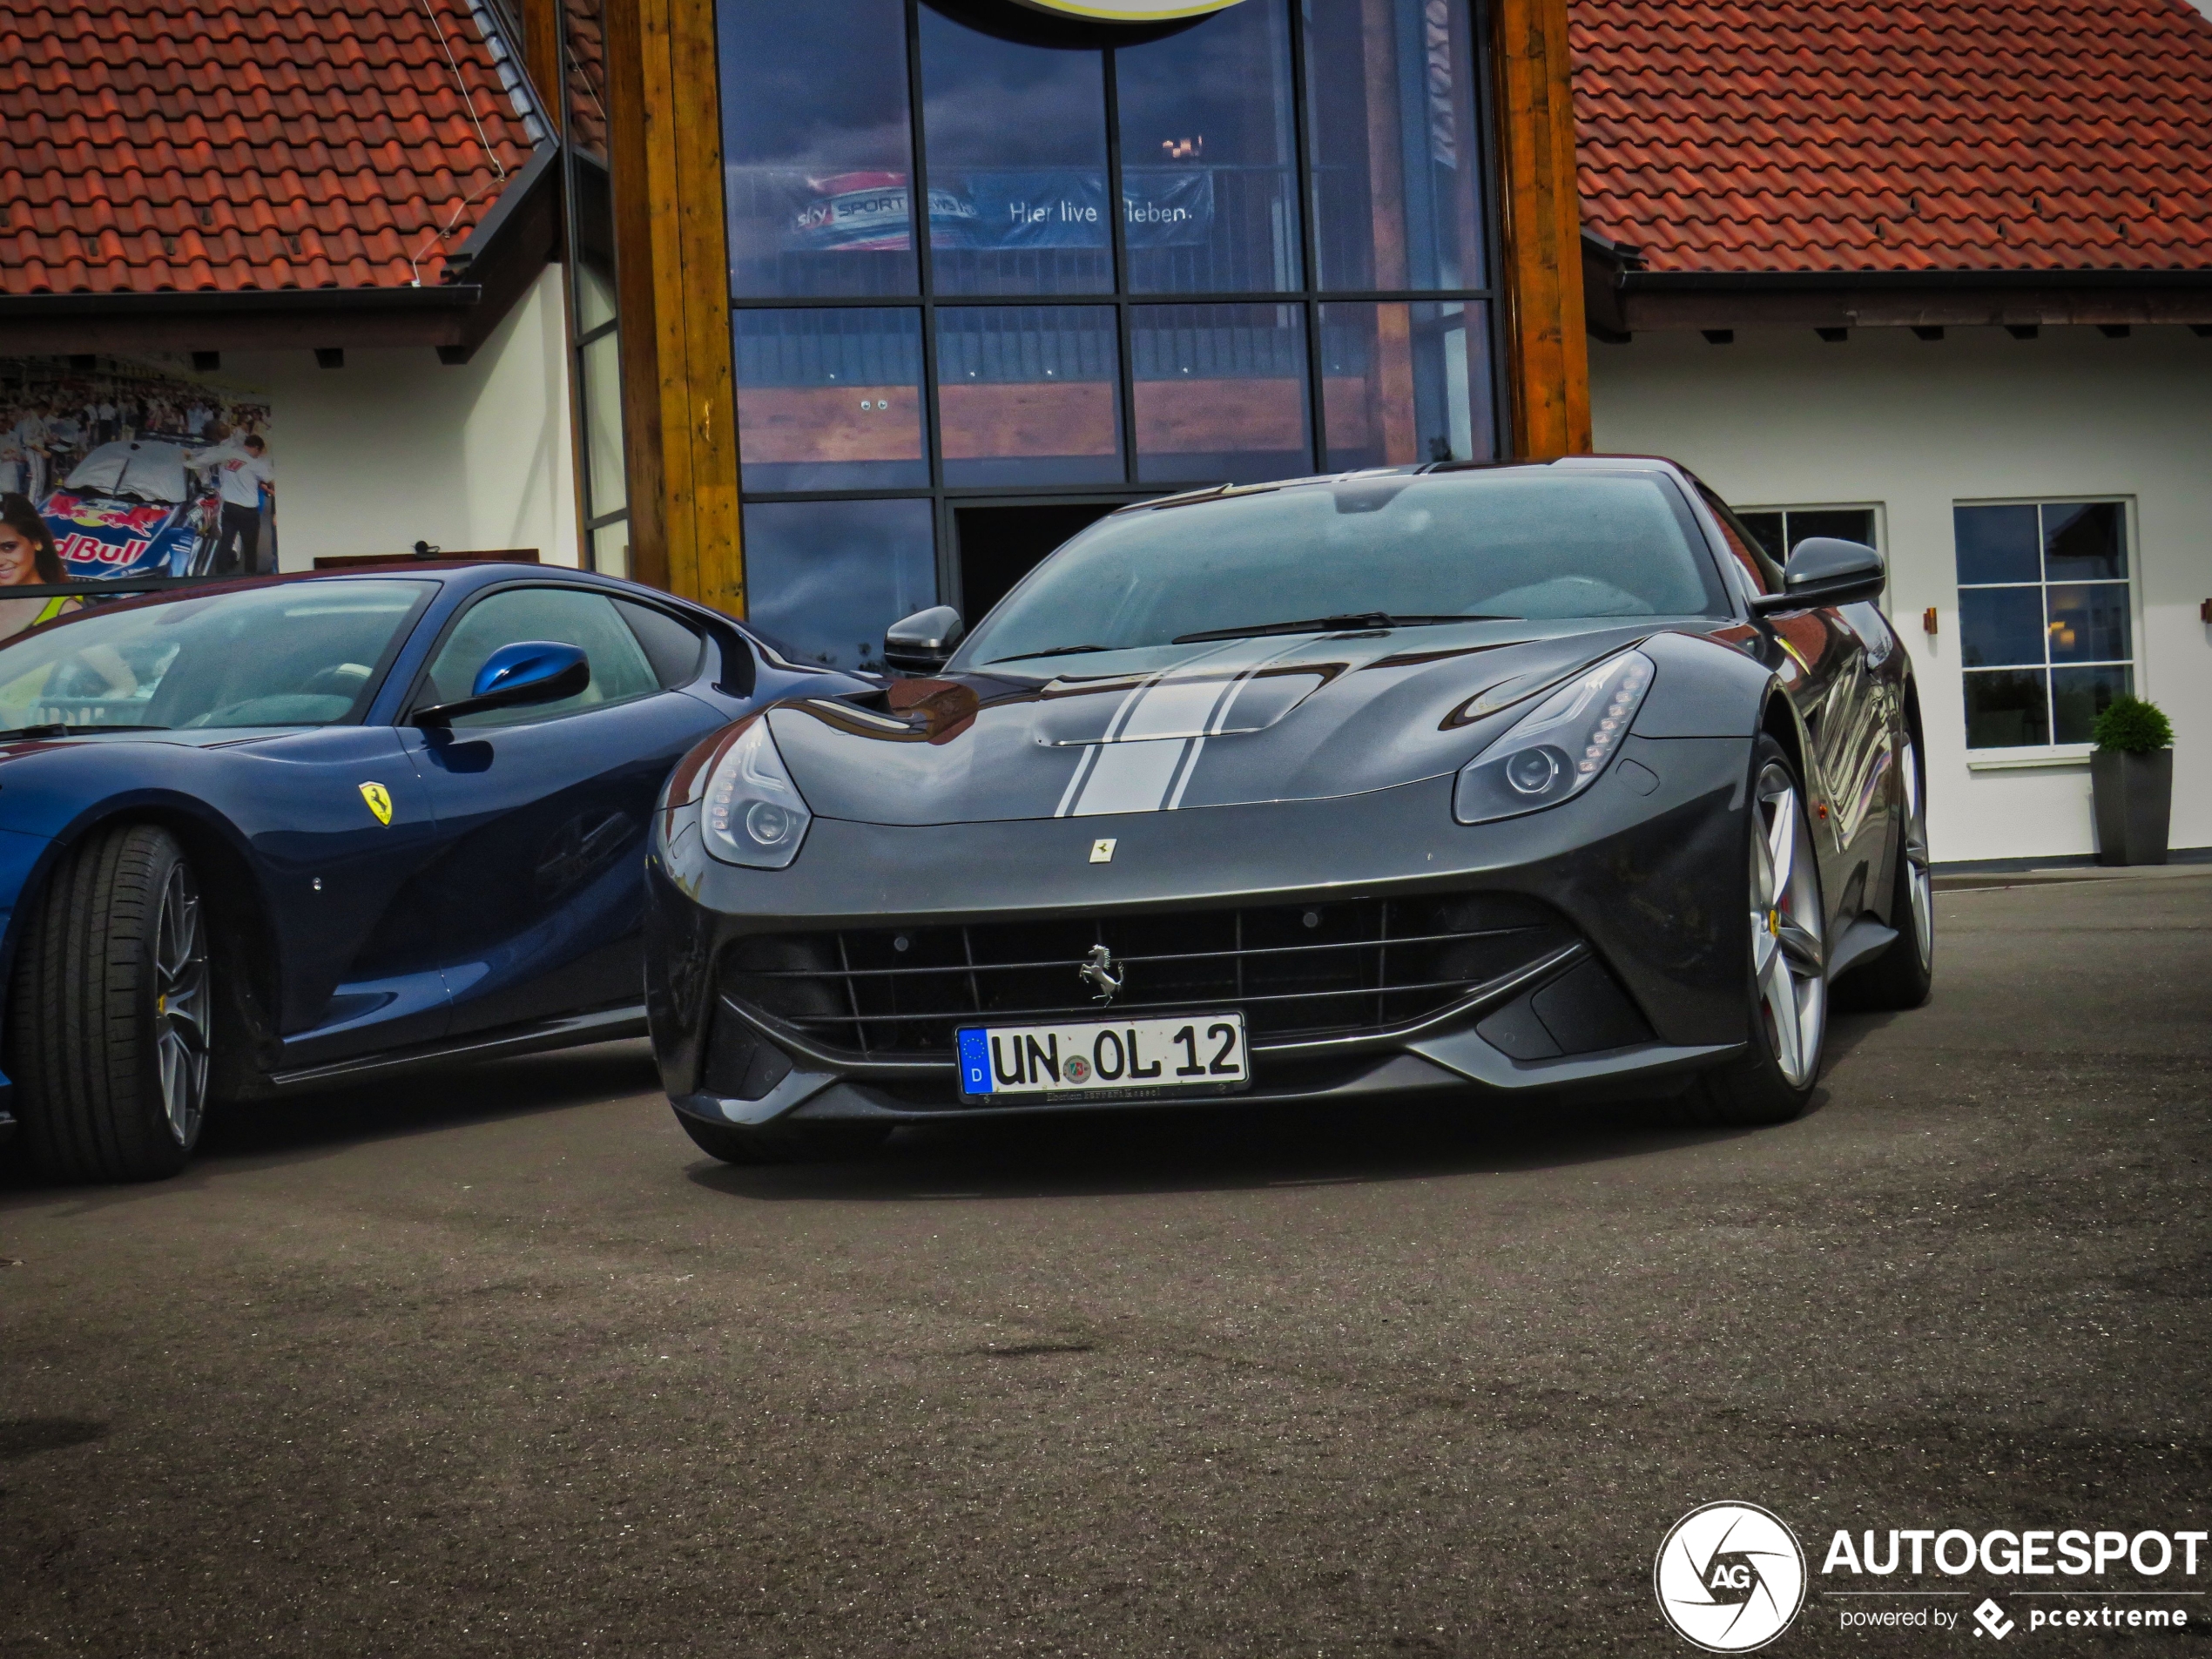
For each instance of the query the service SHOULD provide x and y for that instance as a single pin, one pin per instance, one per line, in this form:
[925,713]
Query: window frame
[1307,298]
[2048,754]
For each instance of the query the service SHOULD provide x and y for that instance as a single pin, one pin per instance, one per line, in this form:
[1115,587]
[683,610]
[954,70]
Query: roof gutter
[1622,298]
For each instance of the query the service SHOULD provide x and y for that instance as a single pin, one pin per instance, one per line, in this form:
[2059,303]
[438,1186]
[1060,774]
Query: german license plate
[1196,1054]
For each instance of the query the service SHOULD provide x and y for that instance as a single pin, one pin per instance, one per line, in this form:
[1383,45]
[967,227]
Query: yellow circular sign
[1133,11]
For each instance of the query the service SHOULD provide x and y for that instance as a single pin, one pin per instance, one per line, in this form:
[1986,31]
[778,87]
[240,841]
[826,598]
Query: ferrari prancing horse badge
[379,801]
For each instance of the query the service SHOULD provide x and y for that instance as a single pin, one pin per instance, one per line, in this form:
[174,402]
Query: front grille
[1295,971]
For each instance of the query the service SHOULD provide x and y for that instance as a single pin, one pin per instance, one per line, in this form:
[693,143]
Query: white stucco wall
[397,448]
[1782,418]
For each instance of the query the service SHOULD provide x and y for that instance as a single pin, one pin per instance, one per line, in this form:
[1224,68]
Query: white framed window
[2047,621]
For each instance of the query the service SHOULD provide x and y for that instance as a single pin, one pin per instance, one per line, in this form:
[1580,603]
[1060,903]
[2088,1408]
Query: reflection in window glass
[282,655]
[1391,84]
[825,578]
[2046,619]
[1221,392]
[1996,544]
[602,391]
[830,399]
[815,144]
[595,296]
[1028,394]
[620,670]
[2000,627]
[2007,709]
[1403,384]
[2079,695]
[2082,541]
[610,548]
[1209,169]
[1016,138]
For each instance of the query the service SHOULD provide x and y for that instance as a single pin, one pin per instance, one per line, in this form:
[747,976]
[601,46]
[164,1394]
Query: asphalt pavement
[495,1362]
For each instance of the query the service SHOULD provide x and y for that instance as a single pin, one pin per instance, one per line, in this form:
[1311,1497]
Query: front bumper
[1647,866]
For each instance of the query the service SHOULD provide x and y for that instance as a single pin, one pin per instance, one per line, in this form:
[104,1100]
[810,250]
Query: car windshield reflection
[1516,544]
[296,655]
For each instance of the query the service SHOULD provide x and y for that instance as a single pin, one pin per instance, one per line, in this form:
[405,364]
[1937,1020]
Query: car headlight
[1556,750]
[752,813]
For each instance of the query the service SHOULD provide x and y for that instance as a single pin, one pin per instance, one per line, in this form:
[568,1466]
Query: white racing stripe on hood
[1143,761]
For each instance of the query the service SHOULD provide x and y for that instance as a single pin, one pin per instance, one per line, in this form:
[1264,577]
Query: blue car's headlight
[1556,750]
[752,813]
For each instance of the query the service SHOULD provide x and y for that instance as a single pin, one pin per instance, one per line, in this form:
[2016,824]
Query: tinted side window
[1766,575]
[567,615]
[673,648]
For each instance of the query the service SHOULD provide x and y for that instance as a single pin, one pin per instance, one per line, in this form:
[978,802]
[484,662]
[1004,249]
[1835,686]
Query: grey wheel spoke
[1802,949]
[1782,845]
[1781,1000]
[1789,954]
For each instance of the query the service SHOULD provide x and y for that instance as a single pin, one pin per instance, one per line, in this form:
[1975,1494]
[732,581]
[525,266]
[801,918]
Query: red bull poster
[131,466]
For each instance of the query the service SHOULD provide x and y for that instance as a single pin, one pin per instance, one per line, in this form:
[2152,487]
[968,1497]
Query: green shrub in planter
[2133,727]
[2131,778]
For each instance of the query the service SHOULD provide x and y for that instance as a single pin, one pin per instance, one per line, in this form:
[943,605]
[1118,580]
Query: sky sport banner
[1034,208]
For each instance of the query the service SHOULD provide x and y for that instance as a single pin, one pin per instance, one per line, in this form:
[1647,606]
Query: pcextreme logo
[1729,1577]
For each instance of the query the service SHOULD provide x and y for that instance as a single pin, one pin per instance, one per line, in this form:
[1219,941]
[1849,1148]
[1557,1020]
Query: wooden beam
[541,56]
[672,279]
[1547,355]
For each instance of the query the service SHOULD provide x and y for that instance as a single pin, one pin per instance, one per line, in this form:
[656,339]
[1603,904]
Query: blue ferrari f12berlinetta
[289,831]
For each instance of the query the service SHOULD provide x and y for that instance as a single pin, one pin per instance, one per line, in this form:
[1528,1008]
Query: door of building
[999,544]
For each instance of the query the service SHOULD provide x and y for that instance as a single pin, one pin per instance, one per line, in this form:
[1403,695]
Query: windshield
[302,654]
[1536,543]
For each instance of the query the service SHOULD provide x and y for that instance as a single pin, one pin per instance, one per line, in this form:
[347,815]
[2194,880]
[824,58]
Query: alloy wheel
[180,1006]
[1789,957]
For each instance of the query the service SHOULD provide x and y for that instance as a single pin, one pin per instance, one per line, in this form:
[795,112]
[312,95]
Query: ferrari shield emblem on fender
[379,801]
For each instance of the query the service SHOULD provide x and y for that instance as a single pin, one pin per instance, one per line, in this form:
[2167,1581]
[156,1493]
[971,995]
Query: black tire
[1759,1088]
[1903,975]
[814,1143]
[109,1042]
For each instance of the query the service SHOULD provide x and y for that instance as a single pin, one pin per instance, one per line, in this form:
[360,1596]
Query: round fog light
[1531,772]
[768,823]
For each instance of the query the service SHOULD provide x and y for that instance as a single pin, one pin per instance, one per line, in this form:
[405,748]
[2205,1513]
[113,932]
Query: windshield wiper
[1057,650]
[1330,625]
[55,729]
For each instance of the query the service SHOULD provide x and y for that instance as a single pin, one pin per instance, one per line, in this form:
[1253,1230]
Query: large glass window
[1396,195]
[1221,392]
[828,577]
[1209,157]
[1028,395]
[818,148]
[1239,251]
[2045,619]
[1016,136]
[1404,383]
[830,399]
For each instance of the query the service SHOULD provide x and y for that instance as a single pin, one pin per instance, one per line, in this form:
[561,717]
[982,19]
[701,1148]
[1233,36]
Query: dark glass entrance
[1256,248]
[997,545]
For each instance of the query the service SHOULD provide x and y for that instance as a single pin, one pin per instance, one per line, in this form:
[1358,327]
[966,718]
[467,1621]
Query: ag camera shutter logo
[1729,1577]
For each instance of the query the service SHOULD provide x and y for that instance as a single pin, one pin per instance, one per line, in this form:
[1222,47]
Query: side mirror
[922,643]
[529,671]
[1826,571]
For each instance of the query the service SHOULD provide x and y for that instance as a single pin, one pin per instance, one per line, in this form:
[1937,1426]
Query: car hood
[1228,723]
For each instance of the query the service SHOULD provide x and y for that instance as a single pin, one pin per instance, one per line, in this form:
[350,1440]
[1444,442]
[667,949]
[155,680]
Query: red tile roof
[1807,135]
[209,145]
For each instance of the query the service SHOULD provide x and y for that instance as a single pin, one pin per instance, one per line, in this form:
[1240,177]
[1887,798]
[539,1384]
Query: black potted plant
[2131,775]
